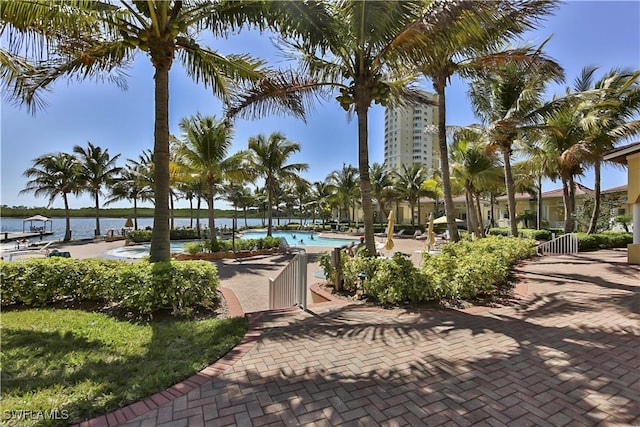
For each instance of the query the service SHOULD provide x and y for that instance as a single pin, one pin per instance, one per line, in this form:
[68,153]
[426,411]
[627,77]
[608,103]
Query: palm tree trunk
[439,86]
[160,238]
[539,207]
[172,212]
[593,225]
[212,220]
[568,216]
[479,217]
[365,182]
[67,227]
[198,215]
[97,230]
[511,197]
[493,215]
[471,215]
[270,209]
[419,211]
[191,212]
[135,213]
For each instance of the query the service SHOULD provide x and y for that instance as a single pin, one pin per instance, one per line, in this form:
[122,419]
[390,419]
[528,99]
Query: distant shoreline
[22,212]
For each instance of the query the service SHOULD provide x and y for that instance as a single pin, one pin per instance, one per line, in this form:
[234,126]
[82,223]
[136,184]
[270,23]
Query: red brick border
[129,412]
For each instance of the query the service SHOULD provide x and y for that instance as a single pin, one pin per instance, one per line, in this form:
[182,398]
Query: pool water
[294,238]
[302,238]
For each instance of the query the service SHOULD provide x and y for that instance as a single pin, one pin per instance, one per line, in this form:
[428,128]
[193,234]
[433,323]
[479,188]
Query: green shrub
[499,231]
[605,240]
[142,236]
[142,287]
[530,233]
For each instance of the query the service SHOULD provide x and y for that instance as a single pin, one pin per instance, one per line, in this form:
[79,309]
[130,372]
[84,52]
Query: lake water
[83,228]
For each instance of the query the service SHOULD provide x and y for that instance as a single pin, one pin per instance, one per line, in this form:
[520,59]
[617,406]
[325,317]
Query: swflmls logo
[28,414]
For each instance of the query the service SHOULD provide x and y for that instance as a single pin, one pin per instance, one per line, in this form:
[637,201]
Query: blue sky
[602,33]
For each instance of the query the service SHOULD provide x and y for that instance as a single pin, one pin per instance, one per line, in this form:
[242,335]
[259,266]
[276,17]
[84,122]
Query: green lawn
[85,364]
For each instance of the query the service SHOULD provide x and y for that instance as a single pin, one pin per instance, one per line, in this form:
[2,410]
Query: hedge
[604,240]
[141,236]
[527,233]
[463,269]
[142,287]
[227,245]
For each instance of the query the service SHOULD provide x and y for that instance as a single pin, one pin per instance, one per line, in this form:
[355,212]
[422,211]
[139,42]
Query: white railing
[289,288]
[565,244]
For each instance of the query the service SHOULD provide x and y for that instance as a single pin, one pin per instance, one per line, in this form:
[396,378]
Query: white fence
[289,288]
[565,244]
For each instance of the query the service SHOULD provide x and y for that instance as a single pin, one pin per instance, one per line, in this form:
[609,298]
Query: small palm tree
[268,158]
[98,170]
[476,167]
[345,183]
[133,184]
[408,186]
[381,188]
[203,150]
[55,175]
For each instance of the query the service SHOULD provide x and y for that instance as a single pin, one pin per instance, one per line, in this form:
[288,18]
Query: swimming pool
[303,238]
[295,238]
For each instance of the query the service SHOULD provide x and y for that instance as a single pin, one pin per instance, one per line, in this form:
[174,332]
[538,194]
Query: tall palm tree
[610,114]
[302,187]
[55,175]
[508,98]
[98,170]
[462,44]
[321,194]
[345,183]
[203,150]
[163,30]
[361,55]
[408,185]
[268,158]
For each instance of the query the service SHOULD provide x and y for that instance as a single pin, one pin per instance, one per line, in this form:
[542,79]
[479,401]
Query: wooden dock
[10,236]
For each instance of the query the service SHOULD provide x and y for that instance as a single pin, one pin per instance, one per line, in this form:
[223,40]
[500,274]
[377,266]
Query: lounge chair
[64,254]
[401,234]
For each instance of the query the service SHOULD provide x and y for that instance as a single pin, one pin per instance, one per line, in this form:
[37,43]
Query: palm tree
[132,184]
[269,158]
[381,188]
[476,167]
[55,175]
[321,195]
[345,183]
[508,98]
[203,151]
[461,41]
[407,185]
[302,187]
[163,30]
[360,54]
[98,170]
[610,114]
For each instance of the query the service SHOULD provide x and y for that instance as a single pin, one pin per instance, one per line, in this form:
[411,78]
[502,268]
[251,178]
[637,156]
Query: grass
[81,364]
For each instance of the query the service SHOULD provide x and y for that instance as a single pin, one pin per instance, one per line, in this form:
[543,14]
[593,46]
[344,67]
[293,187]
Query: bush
[605,240]
[462,270]
[142,287]
[142,236]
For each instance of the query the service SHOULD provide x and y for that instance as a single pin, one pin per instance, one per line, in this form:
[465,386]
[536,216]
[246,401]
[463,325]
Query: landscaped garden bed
[466,270]
[81,338]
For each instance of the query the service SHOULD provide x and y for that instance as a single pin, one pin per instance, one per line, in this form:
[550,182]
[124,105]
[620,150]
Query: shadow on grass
[87,378]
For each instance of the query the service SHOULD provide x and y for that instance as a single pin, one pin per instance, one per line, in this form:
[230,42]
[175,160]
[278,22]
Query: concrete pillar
[633,249]
[636,224]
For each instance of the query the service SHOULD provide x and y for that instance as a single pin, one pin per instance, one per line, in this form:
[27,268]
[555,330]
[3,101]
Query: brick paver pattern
[568,353]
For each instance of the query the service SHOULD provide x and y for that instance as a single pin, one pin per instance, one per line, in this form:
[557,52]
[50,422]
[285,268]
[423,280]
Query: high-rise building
[410,137]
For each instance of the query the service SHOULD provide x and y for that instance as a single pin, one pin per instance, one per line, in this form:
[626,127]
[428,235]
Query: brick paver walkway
[567,354]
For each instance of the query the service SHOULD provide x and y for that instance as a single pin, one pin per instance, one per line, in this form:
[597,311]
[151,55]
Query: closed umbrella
[128,223]
[431,237]
[389,245]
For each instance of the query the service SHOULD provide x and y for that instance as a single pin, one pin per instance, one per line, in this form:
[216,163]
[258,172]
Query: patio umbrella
[389,245]
[128,223]
[443,220]
[431,237]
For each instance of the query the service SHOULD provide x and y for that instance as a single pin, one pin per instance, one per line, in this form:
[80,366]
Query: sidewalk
[565,354]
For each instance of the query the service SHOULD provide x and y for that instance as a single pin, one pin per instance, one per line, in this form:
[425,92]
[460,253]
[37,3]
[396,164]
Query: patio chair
[401,234]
